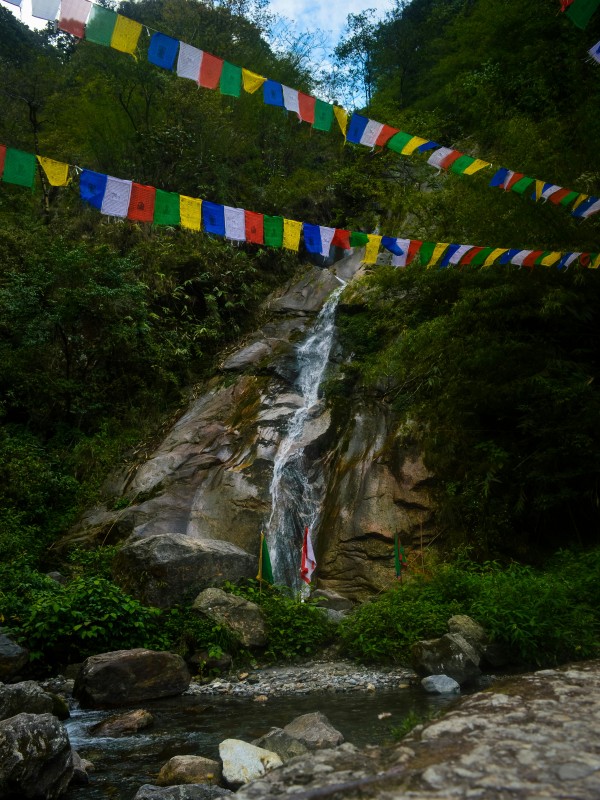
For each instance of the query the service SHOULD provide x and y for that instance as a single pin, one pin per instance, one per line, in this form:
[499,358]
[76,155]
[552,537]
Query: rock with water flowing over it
[13,658]
[440,684]
[35,757]
[244,618]
[450,655]
[162,570]
[27,697]
[280,742]
[243,762]
[123,724]
[186,792]
[314,731]
[189,769]
[124,677]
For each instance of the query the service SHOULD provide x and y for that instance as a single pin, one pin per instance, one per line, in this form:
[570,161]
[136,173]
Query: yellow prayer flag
[551,259]
[595,263]
[56,172]
[494,256]
[476,166]
[372,249]
[579,201]
[190,212]
[438,252]
[125,35]
[251,81]
[412,145]
[539,188]
[291,234]
[342,118]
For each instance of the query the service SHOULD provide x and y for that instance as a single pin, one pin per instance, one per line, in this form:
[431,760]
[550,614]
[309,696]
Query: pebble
[315,676]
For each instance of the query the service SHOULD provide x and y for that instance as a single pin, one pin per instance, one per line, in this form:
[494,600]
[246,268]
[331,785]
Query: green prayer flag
[166,208]
[522,185]
[568,199]
[581,11]
[323,116]
[100,25]
[539,259]
[399,141]
[481,256]
[400,562]
[273,231]
[231,80]
[19,167]
[265,571]
[358,239]
[426,252]
[461,163]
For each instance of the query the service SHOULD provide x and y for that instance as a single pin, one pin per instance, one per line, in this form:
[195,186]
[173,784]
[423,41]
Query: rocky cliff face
[200,500]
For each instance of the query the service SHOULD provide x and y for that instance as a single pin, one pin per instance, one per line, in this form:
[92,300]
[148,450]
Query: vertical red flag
[308,563]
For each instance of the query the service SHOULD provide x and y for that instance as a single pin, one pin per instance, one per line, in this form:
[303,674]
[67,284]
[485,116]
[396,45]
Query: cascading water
[295,498]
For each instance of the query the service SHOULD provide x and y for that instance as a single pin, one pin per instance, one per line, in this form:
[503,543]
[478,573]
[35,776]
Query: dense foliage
[539,618]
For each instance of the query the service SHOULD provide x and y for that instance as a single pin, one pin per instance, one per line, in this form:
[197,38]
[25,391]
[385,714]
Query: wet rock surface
[533,736]
[244,618]
[13,657]
[314,676]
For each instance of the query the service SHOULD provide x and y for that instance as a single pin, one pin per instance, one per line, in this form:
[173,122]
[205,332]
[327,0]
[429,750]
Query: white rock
[440,684]
[243,762]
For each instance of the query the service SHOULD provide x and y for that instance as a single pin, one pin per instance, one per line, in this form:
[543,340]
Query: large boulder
[189,769]
[13,658]
[330,600]
[440,684]
[27,697]
[280,742]
[243,618]
[35,757]
[186,792]
[243,762]
[125,677]
[449,655]
[162,570]
[314,731]
[470,630]
[123,724]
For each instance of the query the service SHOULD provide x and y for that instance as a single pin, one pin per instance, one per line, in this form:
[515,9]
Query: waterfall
[295,499]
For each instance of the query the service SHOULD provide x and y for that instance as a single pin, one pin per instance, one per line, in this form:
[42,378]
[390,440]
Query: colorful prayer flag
[19,168]
[273,93]
[254,227]
[213,218]
[210,71]
[100,25]
[443,158]
[291,234]
[393,245]
[400,562]
[190,212]
[341,116]
[306,104]
[456,257]
[235,224]
[372,249]
[251,81]
[312,238]
[580,12]
[363,131]
[230,82]
[141,203]
[308,562]
[56,172]
[494,256]
[166,208]
[163,50]
[341,239]
[290,99]
[115,202]
[358,239]
[2,158]
[92,186]
[595,52]
[126,35]
[73,16]
[189,61]
[273,230]
[323,116]
[45,9]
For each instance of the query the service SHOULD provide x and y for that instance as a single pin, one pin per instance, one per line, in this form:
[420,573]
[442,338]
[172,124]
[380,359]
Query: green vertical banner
[273,231]
[166,208]
[265,571]
[581,11]
[230,82]
[100,25]
[19,168]
[400,562]
[323,116]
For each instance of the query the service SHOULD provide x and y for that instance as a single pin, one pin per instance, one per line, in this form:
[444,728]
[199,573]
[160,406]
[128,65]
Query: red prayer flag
[254,227]
[308,563]
[413,249]
[210,71]
[584,259]
[306,106]
[558,196]
[341,239]
[514,179]
[385,135]
[141,203]
[564,4]
[2,157]
[447,162]
[529,261]
[470,255]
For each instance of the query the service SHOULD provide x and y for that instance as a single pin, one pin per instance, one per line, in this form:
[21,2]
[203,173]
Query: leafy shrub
[184,631]
[294,628]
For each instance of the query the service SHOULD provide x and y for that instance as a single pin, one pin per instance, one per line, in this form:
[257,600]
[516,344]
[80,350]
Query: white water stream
[294,497]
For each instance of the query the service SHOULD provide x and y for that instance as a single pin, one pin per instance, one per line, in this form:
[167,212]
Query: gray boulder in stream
[190,791]
[126,677]
[27,697]
[35,757]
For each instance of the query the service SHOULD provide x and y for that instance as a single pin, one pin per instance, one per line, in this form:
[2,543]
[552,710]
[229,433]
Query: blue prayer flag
[579,211]
[507,257]
[451,249]
[391,244]
[92,186]
[273,93]
[499,178]
[163,50]
[213,218]
[427,146]
[356,128]
[312,237]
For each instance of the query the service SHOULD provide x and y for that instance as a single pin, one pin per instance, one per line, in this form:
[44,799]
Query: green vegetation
[540,618]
